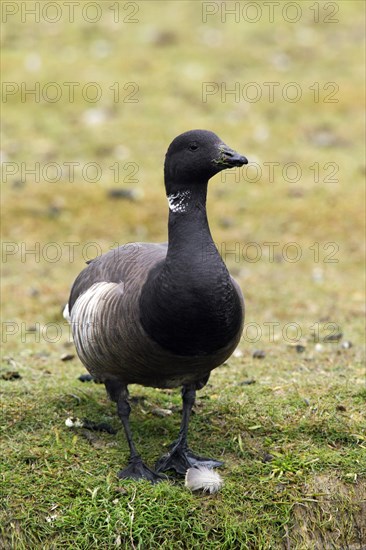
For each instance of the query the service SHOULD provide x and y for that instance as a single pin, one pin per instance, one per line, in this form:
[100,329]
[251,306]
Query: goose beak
[228,158]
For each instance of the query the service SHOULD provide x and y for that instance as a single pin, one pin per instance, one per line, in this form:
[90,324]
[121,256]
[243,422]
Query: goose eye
[193,147]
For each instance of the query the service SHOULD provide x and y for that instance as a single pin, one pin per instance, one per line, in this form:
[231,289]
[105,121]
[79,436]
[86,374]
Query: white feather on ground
[202,477]
[72,422]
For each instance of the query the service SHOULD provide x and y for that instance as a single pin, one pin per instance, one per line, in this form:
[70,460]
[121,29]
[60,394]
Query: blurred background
[92,97]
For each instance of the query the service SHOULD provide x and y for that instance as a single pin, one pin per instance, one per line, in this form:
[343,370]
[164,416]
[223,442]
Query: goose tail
[66,313]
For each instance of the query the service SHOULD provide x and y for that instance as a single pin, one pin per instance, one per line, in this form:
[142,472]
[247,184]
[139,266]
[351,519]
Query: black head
[194,157]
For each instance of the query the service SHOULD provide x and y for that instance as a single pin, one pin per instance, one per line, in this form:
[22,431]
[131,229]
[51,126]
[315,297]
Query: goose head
[194,157]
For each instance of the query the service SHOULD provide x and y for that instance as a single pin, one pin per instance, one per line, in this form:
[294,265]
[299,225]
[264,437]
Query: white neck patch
[178,202]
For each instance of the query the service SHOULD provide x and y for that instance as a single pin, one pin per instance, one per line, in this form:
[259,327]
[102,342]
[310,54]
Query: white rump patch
[178,202]
[202,477]
[66,313]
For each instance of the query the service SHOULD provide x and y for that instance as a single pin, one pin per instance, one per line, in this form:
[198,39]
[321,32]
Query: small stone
[238,353]
[30,460]
[98,427]
[67,357]
[267,457]
[41,354]
[10,361]
[261,133]
[161,412]
[32,62]
[226,222]
[324,137]
[18,184]
[248,382]
[163,38]
[259,354]
[94,117]
[54,210]
[281,61]
[89,378]
[346,344]
[341,408]
[299,348]
[318,347]
[11,375]
[91,438]
[33,292]
[317,275]
[295,192]
[121,490]
[333,337]
[100,48]
[128,194]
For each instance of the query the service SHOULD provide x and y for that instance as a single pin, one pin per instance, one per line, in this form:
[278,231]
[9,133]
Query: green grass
[293,442]
[315,478]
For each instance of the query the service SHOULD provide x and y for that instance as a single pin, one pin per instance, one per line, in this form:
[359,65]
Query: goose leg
[136,468]
[180,457]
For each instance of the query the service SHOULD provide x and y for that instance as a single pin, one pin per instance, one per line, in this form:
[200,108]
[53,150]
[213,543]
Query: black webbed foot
[136,469]
[180,459]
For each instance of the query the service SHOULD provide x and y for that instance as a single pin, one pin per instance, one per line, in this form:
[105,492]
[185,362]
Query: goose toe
[136,469]
[180,460]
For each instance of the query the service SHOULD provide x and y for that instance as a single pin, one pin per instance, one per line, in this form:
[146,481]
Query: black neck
[188,303]
[189,236]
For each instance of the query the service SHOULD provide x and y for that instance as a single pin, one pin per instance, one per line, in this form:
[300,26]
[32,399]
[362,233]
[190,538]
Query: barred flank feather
[202,477]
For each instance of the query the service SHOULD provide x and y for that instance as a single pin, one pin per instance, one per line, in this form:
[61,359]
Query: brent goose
[163,315]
